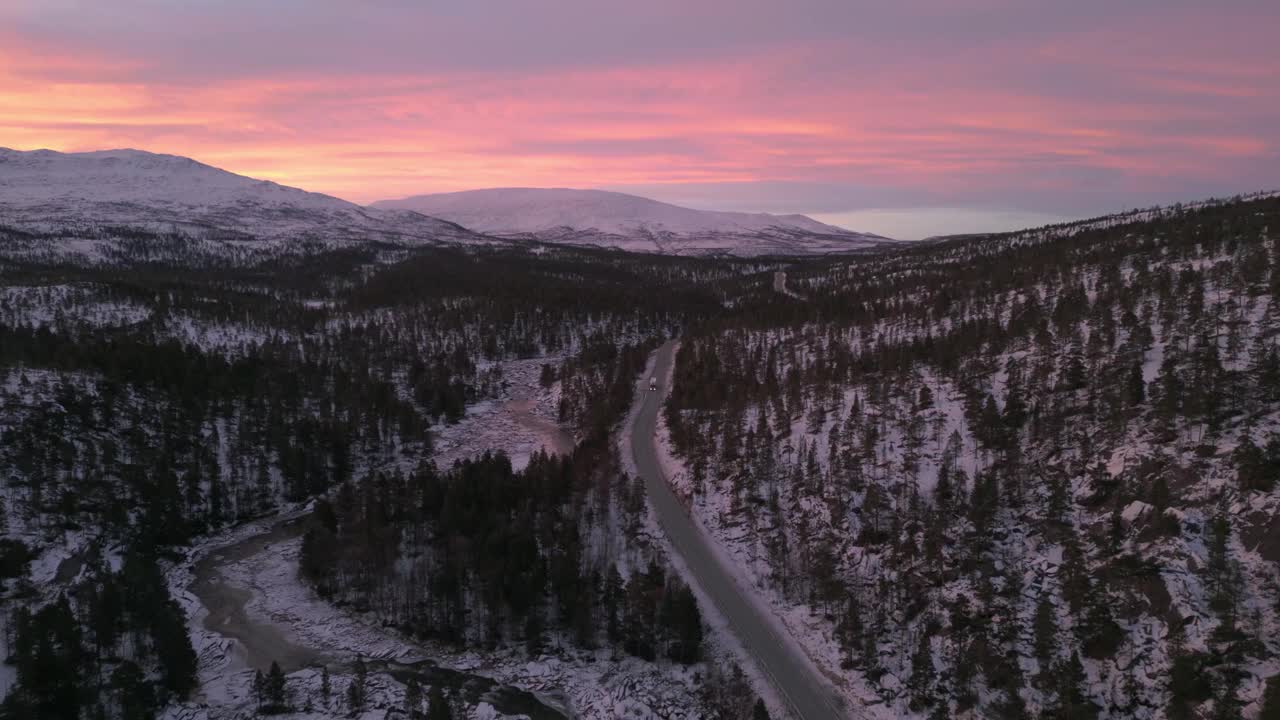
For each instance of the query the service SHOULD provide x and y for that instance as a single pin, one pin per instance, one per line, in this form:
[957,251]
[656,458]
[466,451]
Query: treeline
[167,441]
[495,556]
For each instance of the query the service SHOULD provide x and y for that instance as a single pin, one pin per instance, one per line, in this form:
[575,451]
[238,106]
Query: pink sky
[823,107]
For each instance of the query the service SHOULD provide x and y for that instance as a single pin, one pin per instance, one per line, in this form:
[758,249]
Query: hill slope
[597,217]
[1024,475]
[47,191]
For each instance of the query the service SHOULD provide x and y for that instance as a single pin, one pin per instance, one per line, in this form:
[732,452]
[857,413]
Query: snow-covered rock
[1135,510]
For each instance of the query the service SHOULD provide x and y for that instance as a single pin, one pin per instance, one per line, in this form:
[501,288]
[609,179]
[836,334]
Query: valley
[1019,475]
[696,360]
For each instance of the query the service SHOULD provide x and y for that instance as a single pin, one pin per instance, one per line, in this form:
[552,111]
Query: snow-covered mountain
[47,191]
[597,217]
[79,196]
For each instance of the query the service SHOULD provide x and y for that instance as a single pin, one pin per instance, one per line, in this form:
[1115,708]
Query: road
[797,682]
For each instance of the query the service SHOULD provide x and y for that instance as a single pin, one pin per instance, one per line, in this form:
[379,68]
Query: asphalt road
[797,683]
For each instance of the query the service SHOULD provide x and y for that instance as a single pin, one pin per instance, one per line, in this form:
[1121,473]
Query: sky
[908,118]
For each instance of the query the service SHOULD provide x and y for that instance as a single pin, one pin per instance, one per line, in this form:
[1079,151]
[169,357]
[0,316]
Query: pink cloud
[1021,113]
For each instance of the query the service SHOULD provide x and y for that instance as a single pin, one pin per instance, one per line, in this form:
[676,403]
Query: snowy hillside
[80,203]
[1047,488]
[1057,231]
[50,192]
[134,176]
[597,217]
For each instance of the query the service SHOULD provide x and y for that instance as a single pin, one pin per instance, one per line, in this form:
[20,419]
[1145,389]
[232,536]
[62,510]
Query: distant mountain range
[52,192]
[629,222]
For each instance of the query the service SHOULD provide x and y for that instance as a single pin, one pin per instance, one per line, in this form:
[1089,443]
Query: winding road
[795,679]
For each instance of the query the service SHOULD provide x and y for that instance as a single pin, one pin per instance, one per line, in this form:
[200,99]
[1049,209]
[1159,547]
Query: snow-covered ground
[262,564]
[61,306]
[520,422]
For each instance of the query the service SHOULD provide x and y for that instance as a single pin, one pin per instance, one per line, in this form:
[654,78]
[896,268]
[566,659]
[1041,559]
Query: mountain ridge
[52,192]
[632,222]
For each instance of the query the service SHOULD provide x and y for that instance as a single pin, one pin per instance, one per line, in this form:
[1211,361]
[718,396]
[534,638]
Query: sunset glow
[824,108]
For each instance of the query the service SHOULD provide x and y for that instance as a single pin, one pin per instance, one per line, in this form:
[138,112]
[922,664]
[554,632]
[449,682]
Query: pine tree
[275,688]
[355,697]
[1058,500]
[1227,705]
[133,693]
[356,690]
[533,633]
[1158,496]
[759,711]
[259,689]
[1100,635]
[326,687]
[106,614]
[1075,575]
[613,597]
[172,646]
[990,424]
[684,624]
[1072,701]
[922,675]
[413,694]
[1223,576]
[1253,470]
[849,630]
[943,495]
[640,612]
[1189,681]
[1271,699]
[438,705]
[1045,629]
[1137,388]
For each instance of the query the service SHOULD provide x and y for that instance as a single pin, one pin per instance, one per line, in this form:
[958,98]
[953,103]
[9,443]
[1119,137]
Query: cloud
[811,106]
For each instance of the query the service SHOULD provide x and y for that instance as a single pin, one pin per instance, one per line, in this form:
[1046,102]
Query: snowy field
[519,422]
